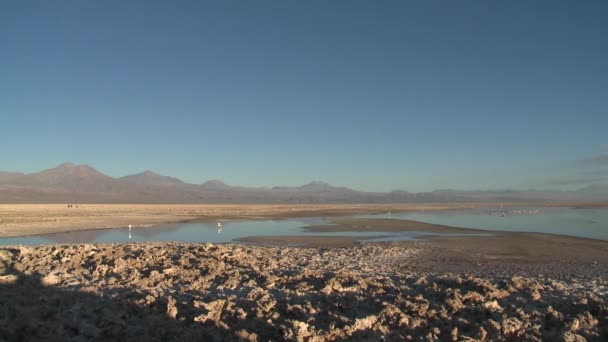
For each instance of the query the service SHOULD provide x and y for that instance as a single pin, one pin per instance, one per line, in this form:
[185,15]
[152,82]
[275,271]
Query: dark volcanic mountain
[69,183]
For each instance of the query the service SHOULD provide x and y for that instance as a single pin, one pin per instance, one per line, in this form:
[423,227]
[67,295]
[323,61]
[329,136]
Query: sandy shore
[35,219]
[187,292]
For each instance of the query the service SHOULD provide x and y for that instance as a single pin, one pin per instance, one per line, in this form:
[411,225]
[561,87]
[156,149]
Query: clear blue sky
[374,95]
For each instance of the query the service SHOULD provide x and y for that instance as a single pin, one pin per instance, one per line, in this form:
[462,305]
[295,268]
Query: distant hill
[151,179]
[70,183]
[7,177]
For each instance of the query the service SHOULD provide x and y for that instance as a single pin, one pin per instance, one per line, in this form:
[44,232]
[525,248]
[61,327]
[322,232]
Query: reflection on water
[197,232]
[589,223]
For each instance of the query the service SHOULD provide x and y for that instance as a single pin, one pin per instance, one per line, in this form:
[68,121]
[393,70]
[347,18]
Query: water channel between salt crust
[589,223]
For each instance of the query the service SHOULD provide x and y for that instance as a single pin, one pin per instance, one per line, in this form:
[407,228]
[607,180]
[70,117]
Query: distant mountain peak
[70,182]
[66,165]
[151,178]
[317,183]
[214,184]
[148,173]
[71,169]
[317,186]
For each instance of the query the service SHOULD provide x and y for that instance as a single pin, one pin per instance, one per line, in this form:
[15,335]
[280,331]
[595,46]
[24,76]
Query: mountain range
[70,183]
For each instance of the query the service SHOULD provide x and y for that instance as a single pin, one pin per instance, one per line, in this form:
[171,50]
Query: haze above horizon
[373,96]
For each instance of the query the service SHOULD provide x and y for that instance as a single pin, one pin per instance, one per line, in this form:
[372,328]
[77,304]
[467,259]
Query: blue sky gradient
[413,95]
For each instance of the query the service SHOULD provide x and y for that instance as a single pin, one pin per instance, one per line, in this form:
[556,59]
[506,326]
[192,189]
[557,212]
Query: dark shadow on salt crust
[31,311]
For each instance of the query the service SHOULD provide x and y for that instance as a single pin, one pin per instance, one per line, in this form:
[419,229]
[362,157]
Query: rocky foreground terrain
[184,292]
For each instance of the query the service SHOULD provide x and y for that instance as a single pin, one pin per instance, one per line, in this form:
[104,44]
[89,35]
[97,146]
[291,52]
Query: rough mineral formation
[181,292]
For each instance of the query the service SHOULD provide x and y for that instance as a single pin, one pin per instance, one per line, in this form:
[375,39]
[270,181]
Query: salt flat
[507,286]
[187,292]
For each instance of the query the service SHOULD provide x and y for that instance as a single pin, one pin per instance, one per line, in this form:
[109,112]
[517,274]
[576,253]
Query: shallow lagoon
[589,223]
[197,232]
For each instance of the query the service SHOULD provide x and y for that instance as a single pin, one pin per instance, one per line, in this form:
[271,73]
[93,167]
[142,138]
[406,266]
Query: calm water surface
[590,223]
[197,232]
